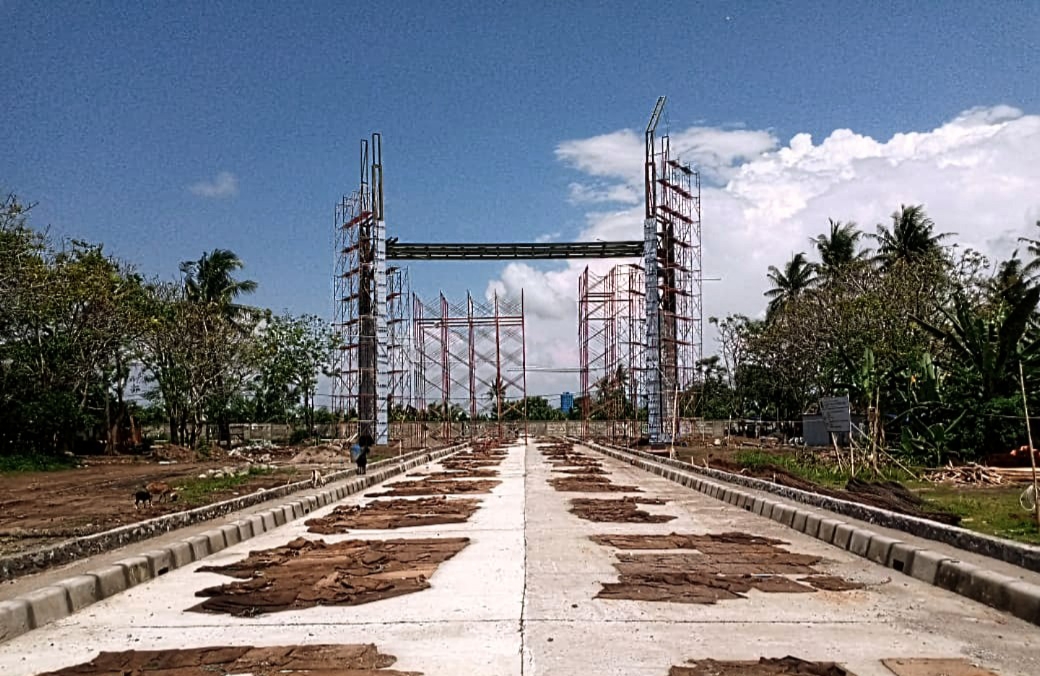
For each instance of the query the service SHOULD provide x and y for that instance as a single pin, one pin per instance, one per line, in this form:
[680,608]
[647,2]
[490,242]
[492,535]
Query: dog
[142,498]
[317,479]
[163,490]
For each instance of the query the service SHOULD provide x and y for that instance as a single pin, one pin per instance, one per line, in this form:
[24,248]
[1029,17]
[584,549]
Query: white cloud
[225,184]
[977,176]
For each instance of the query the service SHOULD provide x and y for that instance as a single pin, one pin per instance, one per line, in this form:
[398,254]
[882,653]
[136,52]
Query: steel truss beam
[513,251]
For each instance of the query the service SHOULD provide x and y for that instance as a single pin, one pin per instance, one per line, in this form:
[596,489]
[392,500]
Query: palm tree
[911,238]
[496,394]
[837,249]
[210,280]
[797,276]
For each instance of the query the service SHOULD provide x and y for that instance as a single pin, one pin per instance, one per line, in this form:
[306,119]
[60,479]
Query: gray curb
[99,543]
[47,604]
[1008,594]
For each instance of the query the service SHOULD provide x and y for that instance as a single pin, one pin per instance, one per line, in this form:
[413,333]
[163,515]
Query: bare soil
[625,510]
[766,666]
[309,660]
[41,508]
[429,487]
[590,483]
[384,514]
[580,470]
[719,567]
[307,573]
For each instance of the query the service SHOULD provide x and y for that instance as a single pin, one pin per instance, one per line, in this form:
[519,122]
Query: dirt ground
[784,666]
[625,510]
[310,660]
[394,514]
[307,573]
[717,567]
[43,508]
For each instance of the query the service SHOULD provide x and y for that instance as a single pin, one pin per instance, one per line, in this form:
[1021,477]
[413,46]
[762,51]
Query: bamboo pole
[1029,436]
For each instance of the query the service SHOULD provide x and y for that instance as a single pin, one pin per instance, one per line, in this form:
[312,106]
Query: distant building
[566,402]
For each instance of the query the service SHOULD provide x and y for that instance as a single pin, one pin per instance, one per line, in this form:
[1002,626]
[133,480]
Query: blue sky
[112,111]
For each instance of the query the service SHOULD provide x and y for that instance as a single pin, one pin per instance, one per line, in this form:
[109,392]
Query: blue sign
[566,402]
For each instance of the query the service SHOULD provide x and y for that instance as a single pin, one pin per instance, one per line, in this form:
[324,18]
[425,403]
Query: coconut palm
[837,248]
[911,237]
[797,276]
[210,280]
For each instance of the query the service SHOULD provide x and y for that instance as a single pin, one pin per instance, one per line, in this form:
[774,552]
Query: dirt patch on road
[309,660]
[403,489]
[456,474]
[581,470]
[721,567]
[590,483]
[625,510]
[766,666]
[394,514]
[308,573]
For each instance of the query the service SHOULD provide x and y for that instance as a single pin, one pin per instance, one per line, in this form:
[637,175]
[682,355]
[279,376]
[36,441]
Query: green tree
[796,278]
[910,238]
[837,248]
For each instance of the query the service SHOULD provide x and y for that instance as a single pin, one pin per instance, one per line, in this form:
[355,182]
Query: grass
[199,491]
[993,511]
[35,462]
[810,469]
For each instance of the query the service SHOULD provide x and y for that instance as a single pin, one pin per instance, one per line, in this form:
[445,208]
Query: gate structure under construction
[640,326]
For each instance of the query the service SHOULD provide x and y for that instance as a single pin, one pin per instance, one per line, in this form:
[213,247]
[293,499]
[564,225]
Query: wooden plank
[920,666]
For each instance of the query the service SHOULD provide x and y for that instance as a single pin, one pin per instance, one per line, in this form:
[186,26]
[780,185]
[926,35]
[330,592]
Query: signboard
[566,402]
[837,415]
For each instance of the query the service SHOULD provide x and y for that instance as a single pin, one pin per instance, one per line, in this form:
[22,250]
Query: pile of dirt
[625,510]
[174,453]
[404,489]
[721,567]
[766,666]
[383,514]
[890,495]
[307,573]
[309,660]
[320,455]
[590,483]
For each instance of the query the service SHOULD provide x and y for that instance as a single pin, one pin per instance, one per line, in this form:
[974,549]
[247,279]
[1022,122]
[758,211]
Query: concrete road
[520,600]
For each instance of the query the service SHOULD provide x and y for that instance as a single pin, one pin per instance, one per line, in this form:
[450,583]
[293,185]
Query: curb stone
[1007,594]
[54,602]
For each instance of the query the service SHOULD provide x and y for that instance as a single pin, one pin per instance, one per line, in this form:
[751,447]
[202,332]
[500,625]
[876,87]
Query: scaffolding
[673,281]
[470,363]
[361,378]
[611,349]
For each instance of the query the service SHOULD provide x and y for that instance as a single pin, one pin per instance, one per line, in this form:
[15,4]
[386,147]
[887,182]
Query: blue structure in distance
[566,402]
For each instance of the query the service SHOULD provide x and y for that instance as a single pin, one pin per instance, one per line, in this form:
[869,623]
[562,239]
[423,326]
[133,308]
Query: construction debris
[979,475]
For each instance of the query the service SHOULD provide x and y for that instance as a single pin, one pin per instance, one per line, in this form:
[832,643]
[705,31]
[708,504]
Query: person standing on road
[365,441]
